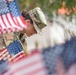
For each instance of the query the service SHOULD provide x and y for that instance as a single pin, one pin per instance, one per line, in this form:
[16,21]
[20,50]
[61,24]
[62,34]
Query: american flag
[30,65]
[13,52]
[10,17]
[16,51]
[37,63]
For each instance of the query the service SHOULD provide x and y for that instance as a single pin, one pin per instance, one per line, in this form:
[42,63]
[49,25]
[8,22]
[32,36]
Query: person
[35,21]
[66,63]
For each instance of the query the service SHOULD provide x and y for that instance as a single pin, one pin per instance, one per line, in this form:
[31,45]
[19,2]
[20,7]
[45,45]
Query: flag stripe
[10,17]
[20,22]
[4,30]
[11,21]
[2,22]
[31,65]
[6,23]
[23,67]
[2,25]
[4,54]
[18,56]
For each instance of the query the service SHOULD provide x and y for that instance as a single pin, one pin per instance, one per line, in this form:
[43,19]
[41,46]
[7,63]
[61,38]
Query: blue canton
[70,48]
[50,56]
[9,7]
[14,8]
[14,48]
[4,8]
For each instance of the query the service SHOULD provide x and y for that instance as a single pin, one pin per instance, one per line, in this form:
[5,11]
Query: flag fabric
[4,54]
[50,56]
[47,59]
[3,66]
[10,55]
[10,17]
[30,65]
[37,63]
[13,52]
[16,51]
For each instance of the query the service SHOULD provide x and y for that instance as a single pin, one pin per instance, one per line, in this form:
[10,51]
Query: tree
[48,6]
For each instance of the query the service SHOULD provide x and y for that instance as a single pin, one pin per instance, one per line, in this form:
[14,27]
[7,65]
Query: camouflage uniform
[9,38]
[39,22]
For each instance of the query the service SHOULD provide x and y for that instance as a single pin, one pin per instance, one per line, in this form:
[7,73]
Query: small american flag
[10,17]
[16,51]
[13,52]
[30,65]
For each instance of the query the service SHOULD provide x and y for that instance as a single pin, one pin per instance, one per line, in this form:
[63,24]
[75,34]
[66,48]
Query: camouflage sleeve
[21,37]
[9,38]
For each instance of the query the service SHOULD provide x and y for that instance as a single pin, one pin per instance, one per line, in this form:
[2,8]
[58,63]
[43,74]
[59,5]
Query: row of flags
[13,60]
[43,62]
[37,63]
[12,21]
[10,18]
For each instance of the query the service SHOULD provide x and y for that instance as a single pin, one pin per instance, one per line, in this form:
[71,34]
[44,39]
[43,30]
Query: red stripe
[0,28]
[4,54]
[18,23]
[23,21]
[3,21]
[4,25]
[18,57]
[13,21]
[9,22]
[36,71]
[26,66]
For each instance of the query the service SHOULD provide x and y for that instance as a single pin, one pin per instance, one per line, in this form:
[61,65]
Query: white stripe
[5,50]
[6,22]
[11,21]
[15,59]
[7,57]
[30,69]
[18,26]
[25,62]
[14,25]
[17,54]
[2,24]
[5,54]
[42,72]
[0,58]
[20,22]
